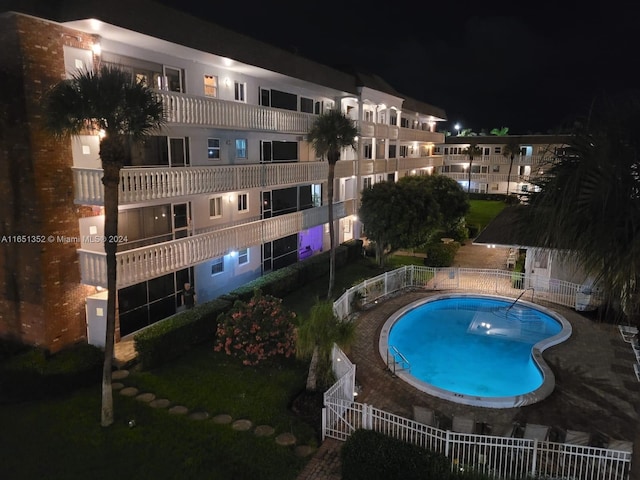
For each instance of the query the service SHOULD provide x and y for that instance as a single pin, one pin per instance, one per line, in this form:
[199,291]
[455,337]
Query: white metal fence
[501,282]
[499,457]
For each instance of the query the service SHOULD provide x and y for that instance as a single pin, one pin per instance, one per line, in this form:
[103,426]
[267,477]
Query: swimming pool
[480,350]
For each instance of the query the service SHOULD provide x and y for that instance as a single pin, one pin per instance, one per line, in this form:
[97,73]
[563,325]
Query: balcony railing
[156,183]
[488,177]
[497,159]
[411,135]
[140,264]
[192,110]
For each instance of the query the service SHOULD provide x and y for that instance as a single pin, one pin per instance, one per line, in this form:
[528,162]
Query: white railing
[501,282]
[498,457]
[411,135]
[144,263]
[183,109]
[537,159]
[155,183]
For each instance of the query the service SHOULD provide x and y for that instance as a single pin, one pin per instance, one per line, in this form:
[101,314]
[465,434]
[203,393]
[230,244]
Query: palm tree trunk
[332,233]
[111,168]
[312,376]
[509,175]
[469,183]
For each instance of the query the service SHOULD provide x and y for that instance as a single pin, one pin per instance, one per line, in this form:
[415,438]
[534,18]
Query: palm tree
[589,202]
[500,132]
[472,150]
[331,132]
[124,112]
[510,150]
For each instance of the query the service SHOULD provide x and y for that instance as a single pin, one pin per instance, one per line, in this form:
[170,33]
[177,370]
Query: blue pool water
[474,346]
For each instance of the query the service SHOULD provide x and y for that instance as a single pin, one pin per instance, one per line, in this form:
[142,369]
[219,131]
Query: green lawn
[61,438]
[483,211]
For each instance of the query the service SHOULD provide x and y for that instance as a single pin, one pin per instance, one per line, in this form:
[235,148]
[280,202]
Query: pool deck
[596,388]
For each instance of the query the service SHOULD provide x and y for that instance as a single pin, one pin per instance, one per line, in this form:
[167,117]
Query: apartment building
[227,191]
[492,170]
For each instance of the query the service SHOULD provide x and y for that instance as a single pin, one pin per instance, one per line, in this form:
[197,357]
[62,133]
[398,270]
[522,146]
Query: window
[367,182]
[497,150]
[240,92]
[278,99]
[392,151]
[367,151]
[210,86]
[217,266]
[213,148]
[495,168]
[486,151]
[243,256]
[306,105]
[403,150]
[241,148]
[215,207]
[265,97]
[174,79]
[243,202]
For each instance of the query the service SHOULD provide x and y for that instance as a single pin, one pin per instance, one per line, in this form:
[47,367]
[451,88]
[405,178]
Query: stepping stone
[129,391]
[178,410]
[117,386]
[222,419]
[199,416]
[146,397]
[286,439]
[119,374]
[303,450]
[159,403]
[242,425]
[264,431]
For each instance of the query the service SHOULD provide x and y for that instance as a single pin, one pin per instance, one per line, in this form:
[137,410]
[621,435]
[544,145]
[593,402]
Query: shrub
[441,254]
[170,338]
[256,330]
[368,454]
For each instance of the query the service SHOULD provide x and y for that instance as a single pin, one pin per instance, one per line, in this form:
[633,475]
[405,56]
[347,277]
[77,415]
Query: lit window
[243,202]
[210,86]
[215,207]
[243,256]
[213,148]
[241,148]
[239,92]
[217,266]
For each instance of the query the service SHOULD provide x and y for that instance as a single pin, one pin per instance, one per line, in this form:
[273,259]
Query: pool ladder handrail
[404,363]
[519,297]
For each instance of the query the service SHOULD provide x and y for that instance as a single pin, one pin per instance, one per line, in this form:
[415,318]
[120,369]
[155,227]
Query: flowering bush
[256,330]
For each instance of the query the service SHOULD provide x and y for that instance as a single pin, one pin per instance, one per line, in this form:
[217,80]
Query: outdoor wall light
[97,49]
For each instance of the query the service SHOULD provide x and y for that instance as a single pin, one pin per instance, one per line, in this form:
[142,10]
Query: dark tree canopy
[589,203]
[408,213]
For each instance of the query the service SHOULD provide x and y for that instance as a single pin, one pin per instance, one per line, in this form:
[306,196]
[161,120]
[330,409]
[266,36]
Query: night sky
[531,70]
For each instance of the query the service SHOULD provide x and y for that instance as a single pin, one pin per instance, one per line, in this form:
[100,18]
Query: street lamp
[457,126]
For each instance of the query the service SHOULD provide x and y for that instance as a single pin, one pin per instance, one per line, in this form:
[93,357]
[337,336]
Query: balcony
[497,160]
[411,135]
[161,183]
[393,132]
[140,264]
[192,110]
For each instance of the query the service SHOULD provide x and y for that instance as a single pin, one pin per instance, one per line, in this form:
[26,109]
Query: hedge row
[170,338]
[368,454]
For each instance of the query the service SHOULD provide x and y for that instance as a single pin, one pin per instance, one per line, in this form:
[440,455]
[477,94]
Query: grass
[65,436]
[483,211]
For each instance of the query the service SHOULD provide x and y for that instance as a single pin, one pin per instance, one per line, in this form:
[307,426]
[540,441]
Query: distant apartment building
[229,190]
[492,169]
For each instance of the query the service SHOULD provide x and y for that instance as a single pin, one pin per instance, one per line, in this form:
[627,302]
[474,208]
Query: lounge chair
[502,429]
[463,424]
[576,437]
[536,432]
[627,332]
[636,347]
[425,416]
[636,368]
